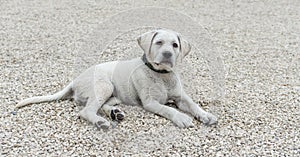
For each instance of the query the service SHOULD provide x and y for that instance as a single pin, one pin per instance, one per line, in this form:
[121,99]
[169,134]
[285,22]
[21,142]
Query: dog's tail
[63,94]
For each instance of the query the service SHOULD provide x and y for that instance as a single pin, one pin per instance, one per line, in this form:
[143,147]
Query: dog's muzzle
[166,59]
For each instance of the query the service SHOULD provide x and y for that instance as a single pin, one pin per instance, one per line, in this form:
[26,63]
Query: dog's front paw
[117,115]
[207,118]
[182,120]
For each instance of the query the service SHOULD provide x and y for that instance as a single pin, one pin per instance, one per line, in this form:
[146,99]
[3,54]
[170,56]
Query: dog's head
[163,48]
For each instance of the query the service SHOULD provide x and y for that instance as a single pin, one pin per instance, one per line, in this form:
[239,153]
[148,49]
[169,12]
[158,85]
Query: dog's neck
[149,65]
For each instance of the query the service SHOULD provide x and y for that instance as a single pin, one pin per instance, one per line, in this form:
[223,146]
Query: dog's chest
[166,84]
[163,87]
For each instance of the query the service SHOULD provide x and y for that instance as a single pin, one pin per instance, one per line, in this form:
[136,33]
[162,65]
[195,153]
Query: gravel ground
[42,44]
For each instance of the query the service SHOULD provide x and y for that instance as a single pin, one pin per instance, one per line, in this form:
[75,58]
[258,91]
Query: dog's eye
[175,45]
[159,43]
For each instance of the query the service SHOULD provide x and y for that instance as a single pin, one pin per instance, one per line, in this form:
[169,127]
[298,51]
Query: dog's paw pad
[117,115]
[102,125]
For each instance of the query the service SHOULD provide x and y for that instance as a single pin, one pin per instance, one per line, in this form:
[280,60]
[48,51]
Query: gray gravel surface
[42,44]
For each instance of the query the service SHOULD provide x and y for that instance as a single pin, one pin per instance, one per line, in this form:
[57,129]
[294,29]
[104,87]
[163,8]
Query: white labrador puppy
[150,81]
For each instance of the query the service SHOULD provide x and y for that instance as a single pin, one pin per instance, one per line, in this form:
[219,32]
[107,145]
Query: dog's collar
[145,60]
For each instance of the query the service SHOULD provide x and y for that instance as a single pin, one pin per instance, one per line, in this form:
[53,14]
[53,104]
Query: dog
[150,81]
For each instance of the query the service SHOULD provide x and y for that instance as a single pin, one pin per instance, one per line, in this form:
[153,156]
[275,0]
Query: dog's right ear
[145,40]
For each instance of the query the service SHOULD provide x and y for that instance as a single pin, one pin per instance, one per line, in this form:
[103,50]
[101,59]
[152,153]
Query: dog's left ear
[145,40]
[185,46]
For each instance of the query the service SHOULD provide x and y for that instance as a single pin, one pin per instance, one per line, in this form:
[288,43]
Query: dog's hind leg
[111,111]
[90,114]
[102,92]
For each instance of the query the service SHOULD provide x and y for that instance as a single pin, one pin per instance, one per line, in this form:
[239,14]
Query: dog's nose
[167,54]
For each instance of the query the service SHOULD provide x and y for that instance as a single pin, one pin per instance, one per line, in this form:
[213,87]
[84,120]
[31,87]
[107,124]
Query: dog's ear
[145,40]
[185,47]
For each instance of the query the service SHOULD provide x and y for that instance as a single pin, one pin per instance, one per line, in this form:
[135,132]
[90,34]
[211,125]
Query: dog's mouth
[164,63]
